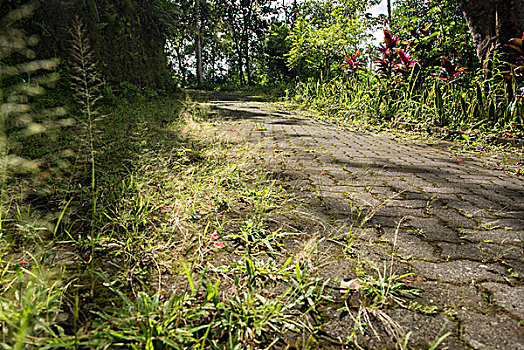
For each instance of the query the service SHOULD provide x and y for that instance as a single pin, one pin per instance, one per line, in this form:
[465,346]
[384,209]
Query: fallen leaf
[353,284]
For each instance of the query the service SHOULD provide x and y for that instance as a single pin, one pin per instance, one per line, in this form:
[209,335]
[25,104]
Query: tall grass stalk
[86,83]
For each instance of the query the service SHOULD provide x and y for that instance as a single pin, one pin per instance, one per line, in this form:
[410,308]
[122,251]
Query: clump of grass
[205,316]
[31,304]
[385,288]
[374,291]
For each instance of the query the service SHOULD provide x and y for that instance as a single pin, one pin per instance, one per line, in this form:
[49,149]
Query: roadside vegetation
[125,225]
[171,248]
[424,74]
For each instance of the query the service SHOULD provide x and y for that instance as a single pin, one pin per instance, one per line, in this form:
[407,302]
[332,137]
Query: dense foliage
[425,72]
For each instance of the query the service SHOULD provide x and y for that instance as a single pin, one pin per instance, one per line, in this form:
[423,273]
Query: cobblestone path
[455,223]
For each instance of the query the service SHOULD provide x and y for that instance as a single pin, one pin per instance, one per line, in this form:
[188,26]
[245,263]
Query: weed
[352,235]
[429,206]
[488,226]
[417,232]
[433,346]
[86,83]
[31,304]
[465,213]
[202,315]
[425,309]
[495,252]
[375,291]
[383,289]
[152,323]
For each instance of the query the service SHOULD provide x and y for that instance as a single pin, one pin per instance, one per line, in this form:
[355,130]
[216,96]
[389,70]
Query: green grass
[173,248]
[175,244]
[476,106]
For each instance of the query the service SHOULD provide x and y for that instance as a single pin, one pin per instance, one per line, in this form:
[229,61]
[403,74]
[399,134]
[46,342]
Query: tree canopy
[247,42]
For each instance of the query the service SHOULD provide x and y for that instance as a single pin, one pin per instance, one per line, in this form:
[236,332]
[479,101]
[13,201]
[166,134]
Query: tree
[179,37]
[390,20]
[127,36]
[492,22]
[326,31]
[434,28]
[276,48]
[245,24]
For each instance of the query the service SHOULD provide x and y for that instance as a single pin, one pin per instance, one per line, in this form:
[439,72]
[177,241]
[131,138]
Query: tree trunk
[492,22]
[240,65]
[247,28]
[248,66]
[198,44]
[390,23]
[180,64]
[113,47]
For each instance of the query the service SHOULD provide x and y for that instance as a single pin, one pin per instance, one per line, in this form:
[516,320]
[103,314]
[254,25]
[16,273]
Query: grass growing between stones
[181,251]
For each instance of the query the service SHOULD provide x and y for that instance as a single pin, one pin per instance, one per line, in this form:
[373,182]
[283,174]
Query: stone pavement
[455,223]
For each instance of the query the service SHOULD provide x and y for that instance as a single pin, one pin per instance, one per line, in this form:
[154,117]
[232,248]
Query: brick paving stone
[407,203]
[400,211]
[364,199]
[426,329]
[450,296]
[467,209]
[410,246]
[341,189]
[385,221]
[495,332]
[481,251]
[452,218]
[498,236]
[510,298]
[432,229]
[508,223]
[460,271]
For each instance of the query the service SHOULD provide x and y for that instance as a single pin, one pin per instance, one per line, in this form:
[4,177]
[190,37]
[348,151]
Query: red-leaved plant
[450,70]
[352,63]
[390,41]
[406,63]
[516,59]
[394,59]
[386,64]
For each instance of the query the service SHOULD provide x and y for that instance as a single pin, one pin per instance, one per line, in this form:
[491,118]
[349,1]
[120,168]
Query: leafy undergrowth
[172,248]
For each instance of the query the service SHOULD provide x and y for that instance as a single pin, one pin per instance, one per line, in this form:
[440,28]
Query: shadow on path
[458,226]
